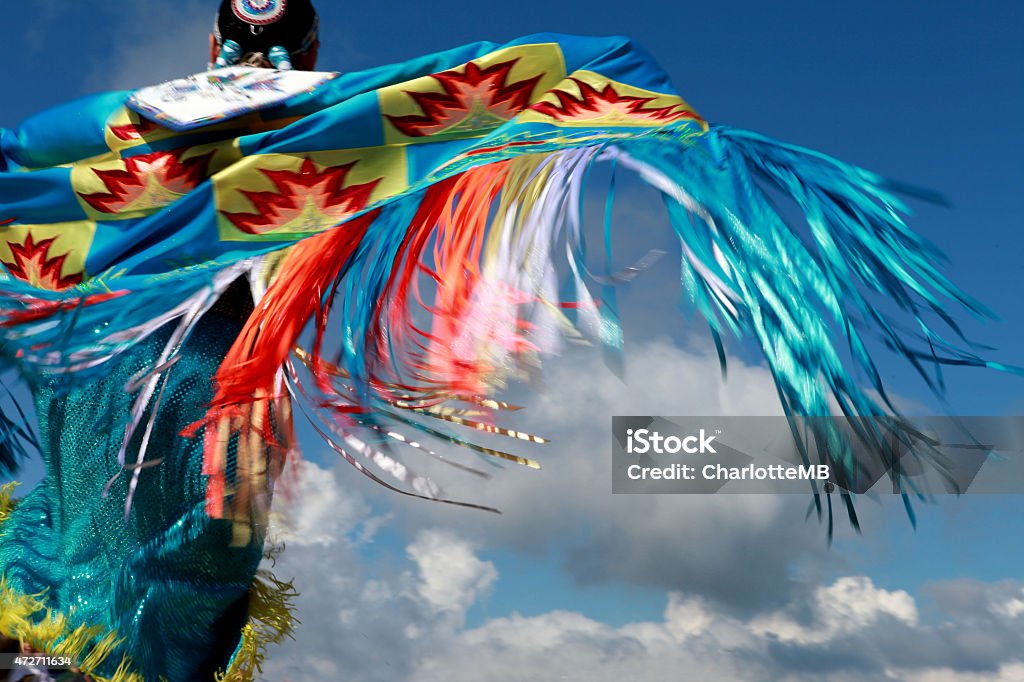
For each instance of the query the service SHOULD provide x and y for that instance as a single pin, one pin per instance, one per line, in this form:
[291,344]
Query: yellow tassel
[7,502]
[26,619]
[15,610]
[101,650]
[271,620]
[123,673]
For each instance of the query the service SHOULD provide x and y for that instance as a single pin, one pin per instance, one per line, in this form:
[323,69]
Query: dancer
[420,217]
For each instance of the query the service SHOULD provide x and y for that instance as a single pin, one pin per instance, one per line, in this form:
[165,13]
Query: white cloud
[854,602]
[401,618]
[311,510]
[850,604]
[686,617]
[701,642]
[1013,608]
[451,576]
[1012,672]
[975,599]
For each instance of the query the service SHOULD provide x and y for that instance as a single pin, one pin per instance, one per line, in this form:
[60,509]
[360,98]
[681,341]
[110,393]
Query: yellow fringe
[52,634]
[271,620]
[7,500]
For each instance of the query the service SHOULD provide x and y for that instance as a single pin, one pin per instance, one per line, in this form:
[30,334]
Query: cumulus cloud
[972,598]
[451,576]
[849,604]
[352,612]
[750,589]
[1005,673]
[312,511]
[843,635]
[371,621]
[402,619]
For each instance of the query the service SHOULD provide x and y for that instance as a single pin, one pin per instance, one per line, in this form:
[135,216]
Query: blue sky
[927,93]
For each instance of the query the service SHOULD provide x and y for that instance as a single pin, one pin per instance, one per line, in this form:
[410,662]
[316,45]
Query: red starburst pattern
[305,201]
[608,103]
[32,263]
[476,99]
[133,131]
[149,181]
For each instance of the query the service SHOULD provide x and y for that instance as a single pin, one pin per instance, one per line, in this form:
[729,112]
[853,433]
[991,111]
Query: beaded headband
[259,12]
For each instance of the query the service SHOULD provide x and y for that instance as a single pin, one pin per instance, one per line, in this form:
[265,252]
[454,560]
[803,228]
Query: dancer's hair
[278,32]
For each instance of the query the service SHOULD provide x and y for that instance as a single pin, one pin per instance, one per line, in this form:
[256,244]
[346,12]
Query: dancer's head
[278,34]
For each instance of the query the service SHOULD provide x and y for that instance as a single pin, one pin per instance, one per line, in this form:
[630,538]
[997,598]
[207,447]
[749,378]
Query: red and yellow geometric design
[280,197]
[127,129]
[470,100]
[590,99]
[47,256]
[120,189]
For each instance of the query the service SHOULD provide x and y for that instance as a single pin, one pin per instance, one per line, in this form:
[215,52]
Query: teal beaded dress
[166,579]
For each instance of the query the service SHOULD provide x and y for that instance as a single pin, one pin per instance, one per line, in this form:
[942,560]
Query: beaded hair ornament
[255,31]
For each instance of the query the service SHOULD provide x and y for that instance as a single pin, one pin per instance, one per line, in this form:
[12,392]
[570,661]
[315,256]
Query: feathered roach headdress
[279,30]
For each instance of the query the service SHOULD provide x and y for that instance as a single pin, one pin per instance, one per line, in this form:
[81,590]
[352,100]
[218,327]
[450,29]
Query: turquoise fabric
[167,256]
